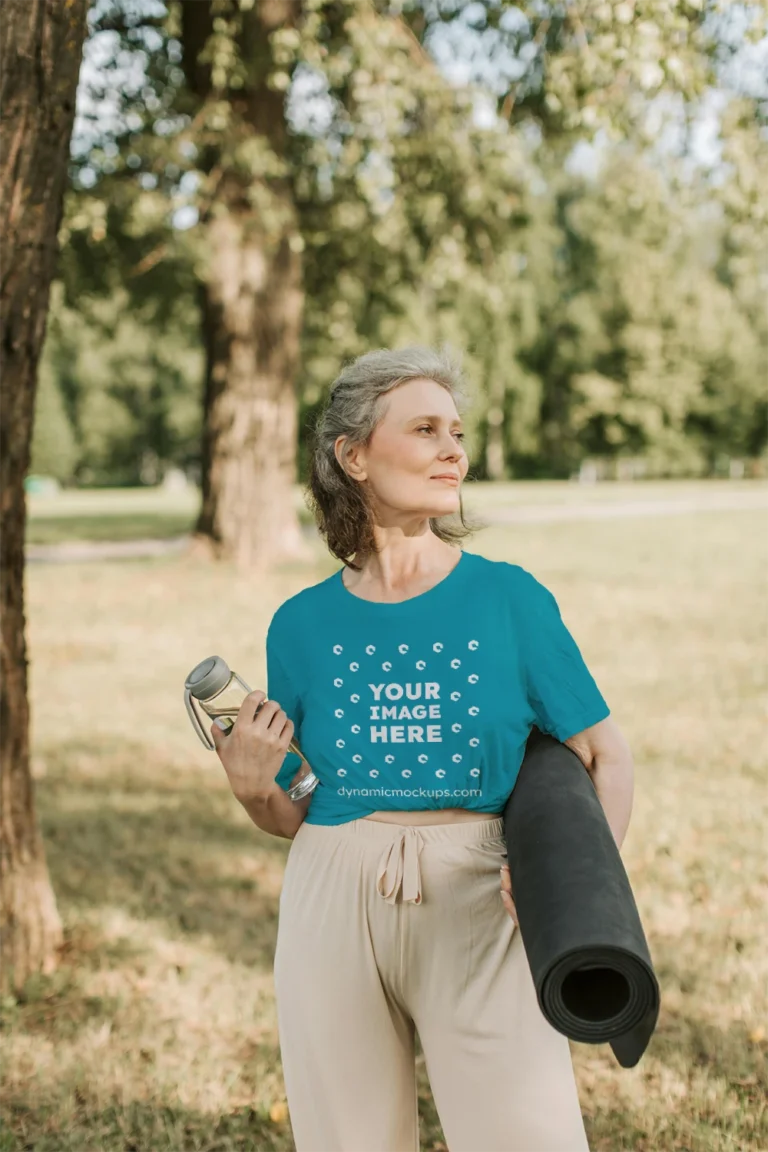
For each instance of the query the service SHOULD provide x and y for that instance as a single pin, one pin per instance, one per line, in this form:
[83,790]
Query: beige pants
[384,928]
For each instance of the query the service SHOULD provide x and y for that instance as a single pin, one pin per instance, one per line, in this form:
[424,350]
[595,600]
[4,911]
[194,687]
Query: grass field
[158,1032]
[152,513]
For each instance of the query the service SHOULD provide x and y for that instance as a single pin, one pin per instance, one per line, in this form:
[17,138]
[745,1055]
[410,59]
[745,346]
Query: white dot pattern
[389,709]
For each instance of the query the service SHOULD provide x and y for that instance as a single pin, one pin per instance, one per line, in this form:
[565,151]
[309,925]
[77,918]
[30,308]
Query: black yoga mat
[575,909]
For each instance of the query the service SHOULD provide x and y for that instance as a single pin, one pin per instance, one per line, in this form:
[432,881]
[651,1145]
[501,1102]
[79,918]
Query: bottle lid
[207,678]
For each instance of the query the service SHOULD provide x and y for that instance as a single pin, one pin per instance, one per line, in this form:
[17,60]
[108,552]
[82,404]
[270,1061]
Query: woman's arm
[276,813]
[606,755]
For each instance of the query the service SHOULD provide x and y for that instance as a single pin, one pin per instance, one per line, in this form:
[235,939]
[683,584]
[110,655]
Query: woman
[412,678]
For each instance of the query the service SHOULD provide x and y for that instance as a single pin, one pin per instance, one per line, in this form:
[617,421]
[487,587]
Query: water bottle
[211,690]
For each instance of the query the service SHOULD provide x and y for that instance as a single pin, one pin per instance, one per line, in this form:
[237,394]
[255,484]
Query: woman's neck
[388,578]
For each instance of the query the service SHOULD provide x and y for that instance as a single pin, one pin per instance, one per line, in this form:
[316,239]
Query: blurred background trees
[573,193]
[570,192]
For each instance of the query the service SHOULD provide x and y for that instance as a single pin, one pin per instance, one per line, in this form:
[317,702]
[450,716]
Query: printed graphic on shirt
[417,708]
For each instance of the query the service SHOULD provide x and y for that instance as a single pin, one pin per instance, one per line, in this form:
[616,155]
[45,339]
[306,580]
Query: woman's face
[418,437]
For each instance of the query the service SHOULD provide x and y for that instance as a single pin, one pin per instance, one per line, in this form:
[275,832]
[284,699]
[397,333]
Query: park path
[675,506]
[75,551]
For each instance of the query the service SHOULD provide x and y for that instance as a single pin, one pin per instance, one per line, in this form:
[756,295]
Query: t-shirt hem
[361,815]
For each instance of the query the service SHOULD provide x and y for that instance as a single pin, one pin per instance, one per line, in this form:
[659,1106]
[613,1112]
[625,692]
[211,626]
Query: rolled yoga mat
[576,912]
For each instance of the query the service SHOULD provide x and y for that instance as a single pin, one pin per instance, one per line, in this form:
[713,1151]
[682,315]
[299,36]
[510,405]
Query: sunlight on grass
[158,1032]
[116,514]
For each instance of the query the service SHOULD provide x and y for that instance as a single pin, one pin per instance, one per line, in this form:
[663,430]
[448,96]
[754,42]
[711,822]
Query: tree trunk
[252,314]
[40,51]
[495,464]
[495,454]
[252,307]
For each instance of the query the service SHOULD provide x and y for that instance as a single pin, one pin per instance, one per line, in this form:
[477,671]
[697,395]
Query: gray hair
[338,502]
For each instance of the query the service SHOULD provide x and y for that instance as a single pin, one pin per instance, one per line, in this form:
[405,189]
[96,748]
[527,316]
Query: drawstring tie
[399,867]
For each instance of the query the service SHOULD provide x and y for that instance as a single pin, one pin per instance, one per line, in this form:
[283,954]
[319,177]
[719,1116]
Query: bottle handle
[196,724]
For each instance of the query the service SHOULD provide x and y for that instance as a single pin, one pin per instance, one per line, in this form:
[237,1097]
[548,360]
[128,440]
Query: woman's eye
[427,428]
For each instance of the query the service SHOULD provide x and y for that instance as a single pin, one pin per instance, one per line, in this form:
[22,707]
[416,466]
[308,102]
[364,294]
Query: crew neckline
[445,584]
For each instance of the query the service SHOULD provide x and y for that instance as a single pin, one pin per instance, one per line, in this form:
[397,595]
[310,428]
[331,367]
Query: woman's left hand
[506,892]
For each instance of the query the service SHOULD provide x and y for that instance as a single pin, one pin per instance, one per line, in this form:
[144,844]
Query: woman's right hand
[254,749]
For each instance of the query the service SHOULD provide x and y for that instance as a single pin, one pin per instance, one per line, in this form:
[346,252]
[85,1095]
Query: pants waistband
[398,867]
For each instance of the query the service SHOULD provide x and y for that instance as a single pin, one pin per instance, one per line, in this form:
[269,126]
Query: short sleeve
[281,688]
[561,689]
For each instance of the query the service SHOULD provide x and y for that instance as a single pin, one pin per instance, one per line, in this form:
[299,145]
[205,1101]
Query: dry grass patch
[158,1033]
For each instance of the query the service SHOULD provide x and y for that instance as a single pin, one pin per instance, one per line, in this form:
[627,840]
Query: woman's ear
[353,461]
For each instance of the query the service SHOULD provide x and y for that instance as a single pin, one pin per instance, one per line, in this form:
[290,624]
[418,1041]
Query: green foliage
[617,315]
[130,388]
[54,450]
[655,355]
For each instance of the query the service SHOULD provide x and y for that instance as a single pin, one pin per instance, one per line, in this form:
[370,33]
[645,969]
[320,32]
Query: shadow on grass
[109,526]
[155,1127]
[141,837]
[124,831]
[687,1042]
[691,1046]
[140,1126]
[117,525]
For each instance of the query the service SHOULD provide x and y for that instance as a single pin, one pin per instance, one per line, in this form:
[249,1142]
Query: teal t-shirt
[427,703]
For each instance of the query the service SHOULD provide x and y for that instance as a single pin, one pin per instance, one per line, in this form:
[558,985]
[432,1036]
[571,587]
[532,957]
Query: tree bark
[252,307]
[252,311]
[40,51]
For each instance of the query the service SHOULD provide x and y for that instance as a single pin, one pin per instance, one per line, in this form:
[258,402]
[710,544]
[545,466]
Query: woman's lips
[447,479]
